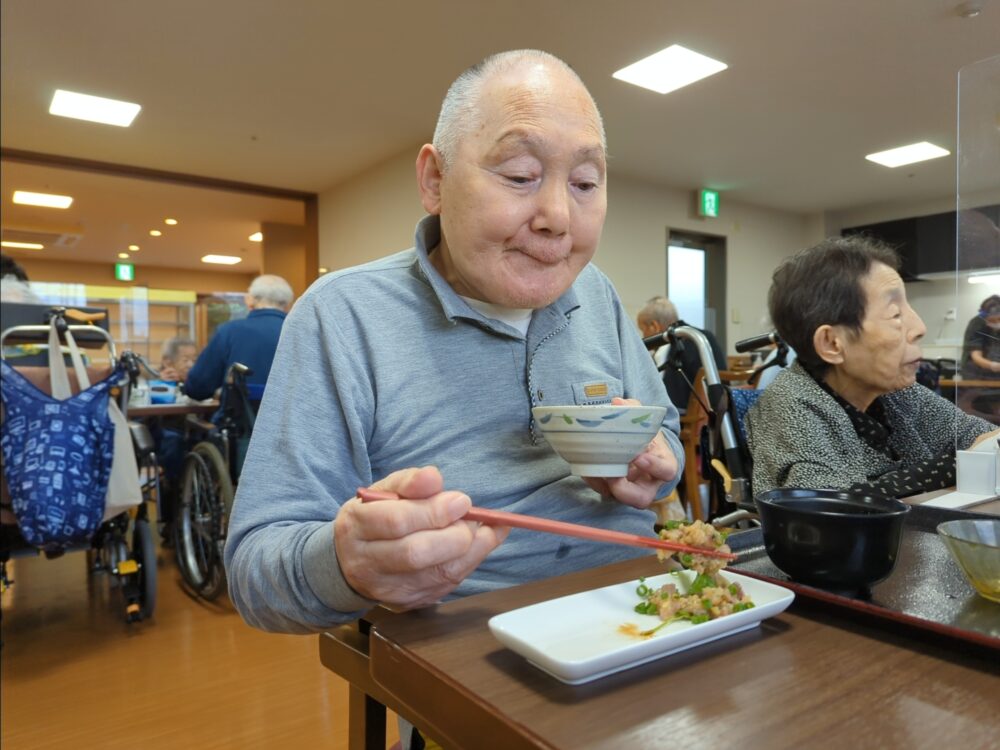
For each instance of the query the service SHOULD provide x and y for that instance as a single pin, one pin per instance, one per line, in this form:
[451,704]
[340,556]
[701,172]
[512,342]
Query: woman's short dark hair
[10,267]
[990,306]
[822,286]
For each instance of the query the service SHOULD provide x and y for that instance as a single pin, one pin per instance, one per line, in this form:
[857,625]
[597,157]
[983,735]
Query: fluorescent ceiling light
[123,255]
[171,222]
[155,232]
[985,278]
[133,248]
[256,237]
[42,199]
[22,245]
[670,69]
[324,270]
[897,157]
[93,108]
[224,260]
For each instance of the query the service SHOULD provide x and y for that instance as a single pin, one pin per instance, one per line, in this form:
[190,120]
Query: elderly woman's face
[524,199]
[885,355]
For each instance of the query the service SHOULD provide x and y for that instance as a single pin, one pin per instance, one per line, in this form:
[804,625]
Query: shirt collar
[428,236]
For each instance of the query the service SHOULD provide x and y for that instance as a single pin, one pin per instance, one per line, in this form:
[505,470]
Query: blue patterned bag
[57,458]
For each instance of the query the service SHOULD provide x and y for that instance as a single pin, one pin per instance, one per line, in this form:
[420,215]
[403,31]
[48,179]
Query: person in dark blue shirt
[250,341]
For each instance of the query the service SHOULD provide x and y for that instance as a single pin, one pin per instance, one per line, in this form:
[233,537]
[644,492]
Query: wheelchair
[211,472]
[725,459]
[122,547]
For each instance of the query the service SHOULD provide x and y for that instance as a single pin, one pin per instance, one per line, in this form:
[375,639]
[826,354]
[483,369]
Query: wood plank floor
[75,675]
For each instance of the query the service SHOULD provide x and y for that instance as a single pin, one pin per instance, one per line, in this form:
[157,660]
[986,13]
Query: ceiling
[109,213]
[302,96]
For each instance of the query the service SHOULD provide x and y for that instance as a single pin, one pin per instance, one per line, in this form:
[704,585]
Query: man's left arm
[208,371]
[657,470]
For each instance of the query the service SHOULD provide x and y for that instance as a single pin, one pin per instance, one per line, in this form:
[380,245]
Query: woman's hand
[646,472]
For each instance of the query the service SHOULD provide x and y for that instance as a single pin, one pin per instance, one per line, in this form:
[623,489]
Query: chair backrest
[742,399]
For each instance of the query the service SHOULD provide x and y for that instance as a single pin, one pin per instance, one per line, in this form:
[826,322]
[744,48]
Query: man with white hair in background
[251,341]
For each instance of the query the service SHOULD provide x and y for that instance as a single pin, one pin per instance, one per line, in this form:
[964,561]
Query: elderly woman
[849,413]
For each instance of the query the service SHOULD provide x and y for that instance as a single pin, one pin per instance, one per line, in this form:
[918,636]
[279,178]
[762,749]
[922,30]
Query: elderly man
[177,357]
[655,317]
[416,374]
[251,341]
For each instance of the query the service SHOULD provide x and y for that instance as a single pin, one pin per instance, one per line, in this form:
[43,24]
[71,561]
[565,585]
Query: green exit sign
[708,203]
[124,272]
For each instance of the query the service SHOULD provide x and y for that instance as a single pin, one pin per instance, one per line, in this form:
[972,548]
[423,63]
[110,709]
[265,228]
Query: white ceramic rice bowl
[599,441]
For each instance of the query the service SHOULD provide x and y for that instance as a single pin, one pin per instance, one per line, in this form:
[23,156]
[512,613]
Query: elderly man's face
[186,357]
[523,200]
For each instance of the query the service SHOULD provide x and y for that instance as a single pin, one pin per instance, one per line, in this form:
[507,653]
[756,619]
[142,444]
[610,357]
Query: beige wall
[374,214]
[155,277]
[370,215]
[283,253]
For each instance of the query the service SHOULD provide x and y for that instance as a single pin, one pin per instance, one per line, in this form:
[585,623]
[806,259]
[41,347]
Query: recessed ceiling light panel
[256,237]
[170,222]
[123,255]
[670,69]
[223,260]
[46,200]
[22,245]
[898,157]
[133,248]
[155,232]
[93,108]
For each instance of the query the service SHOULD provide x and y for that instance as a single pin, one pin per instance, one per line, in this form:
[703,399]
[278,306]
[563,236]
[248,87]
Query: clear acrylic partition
[977,390]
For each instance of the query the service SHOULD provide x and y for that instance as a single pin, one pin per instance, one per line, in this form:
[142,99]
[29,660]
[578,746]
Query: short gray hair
[271,290]
[172,347]
[659,310]
[460,109]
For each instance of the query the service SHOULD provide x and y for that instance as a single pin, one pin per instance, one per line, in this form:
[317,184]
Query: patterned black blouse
[873,427]
[803,435]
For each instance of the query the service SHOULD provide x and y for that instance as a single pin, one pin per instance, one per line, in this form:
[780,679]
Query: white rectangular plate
[577,638]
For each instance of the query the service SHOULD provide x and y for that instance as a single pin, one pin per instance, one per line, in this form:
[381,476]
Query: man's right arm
[302,553]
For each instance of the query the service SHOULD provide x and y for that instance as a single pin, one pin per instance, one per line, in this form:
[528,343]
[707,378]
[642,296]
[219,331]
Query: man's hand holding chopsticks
[411,552]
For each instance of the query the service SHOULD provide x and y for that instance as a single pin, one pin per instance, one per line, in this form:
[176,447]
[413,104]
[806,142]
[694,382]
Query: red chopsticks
[503,518]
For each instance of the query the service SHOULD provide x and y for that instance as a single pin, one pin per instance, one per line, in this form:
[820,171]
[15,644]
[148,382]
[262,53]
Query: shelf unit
[139,318]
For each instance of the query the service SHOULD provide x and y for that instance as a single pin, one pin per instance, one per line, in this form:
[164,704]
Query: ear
[429,174]
[828,341]
[248,301]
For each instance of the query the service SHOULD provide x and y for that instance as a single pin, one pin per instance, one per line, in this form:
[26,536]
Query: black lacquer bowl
[832,538]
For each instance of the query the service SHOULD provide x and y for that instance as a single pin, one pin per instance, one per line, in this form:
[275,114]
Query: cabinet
[927,244]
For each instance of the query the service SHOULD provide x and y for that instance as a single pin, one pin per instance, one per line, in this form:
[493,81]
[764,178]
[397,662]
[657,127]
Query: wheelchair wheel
[202,518]
[144,551]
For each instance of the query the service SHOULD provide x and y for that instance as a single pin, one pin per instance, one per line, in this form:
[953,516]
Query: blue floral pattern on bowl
[642,419]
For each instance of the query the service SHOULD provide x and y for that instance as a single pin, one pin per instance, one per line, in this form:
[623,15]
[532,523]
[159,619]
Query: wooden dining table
[807,678]
[172,410]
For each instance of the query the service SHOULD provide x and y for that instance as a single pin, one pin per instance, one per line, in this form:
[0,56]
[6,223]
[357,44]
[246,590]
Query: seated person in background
[981,349]
[655,317]
[848,413]
[177,358]
[14,283]
[416,374]
[251,341]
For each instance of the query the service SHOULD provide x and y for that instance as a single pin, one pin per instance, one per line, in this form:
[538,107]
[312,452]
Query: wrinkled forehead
[537,97]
